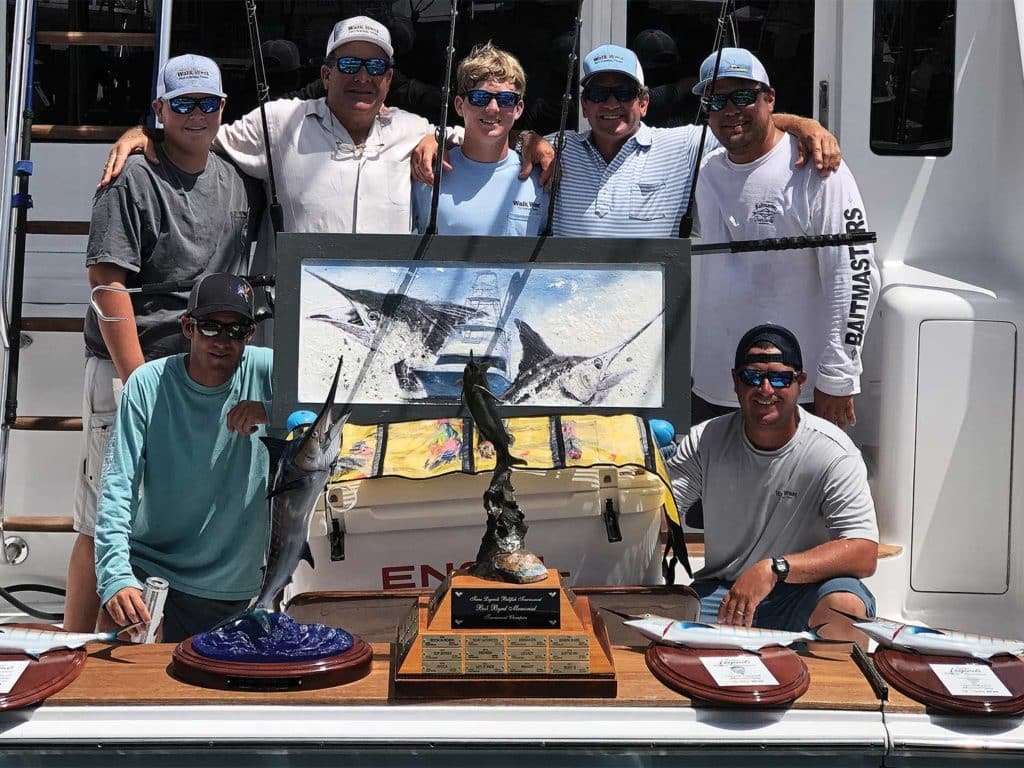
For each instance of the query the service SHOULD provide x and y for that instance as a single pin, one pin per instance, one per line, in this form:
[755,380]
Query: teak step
[38,524]
[106,133]
[137,39]
[695,547]
[43,227]
[49,423]
[52,324]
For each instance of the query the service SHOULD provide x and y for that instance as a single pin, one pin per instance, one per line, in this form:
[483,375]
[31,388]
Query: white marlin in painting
[699,634]
[35,642]
[935,642]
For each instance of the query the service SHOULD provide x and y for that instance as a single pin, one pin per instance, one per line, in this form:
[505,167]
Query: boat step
[695,547]
[64,37]
[49,423]
[38,524]
[52,324]
[46,227]
[108,133]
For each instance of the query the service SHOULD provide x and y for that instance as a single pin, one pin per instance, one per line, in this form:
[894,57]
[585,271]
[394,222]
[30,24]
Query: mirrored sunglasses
[742,97]
[481,98]
[211,329]
[599,93]
[778,379]
[184,105]
[349,65]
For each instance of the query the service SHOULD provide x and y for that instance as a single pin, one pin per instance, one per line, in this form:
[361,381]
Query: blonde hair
[487,62]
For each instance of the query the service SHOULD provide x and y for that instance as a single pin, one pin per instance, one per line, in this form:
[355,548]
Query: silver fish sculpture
[300,468]
[935,642]
[35,642]
[699,634]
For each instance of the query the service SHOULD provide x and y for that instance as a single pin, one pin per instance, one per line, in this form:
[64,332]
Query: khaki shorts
[98,411]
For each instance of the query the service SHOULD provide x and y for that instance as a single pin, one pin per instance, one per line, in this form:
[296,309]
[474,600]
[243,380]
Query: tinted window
[671,38]
[912,77]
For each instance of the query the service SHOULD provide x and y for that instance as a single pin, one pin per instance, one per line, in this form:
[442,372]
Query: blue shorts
[788,606]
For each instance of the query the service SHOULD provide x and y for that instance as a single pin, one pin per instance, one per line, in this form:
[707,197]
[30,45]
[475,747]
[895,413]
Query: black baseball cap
[777,336]
[221,292]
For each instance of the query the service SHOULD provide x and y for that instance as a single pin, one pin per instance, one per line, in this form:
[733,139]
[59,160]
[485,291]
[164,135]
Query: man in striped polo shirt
[627,179]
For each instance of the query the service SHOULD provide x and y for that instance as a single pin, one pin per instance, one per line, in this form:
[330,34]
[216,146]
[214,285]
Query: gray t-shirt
[162,224]
[758,504]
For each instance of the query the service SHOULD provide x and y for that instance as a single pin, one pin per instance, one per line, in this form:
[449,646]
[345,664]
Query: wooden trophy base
[913,675]
[42,677]
[476,638]
[682,670]
[190,666]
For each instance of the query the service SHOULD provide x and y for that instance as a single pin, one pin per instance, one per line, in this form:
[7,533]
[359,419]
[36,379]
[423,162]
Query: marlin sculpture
[934,642]
[35,642]
[481,403]
[699,634]
[300,468]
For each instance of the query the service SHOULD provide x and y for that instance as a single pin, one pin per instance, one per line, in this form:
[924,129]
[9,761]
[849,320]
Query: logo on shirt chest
[783,494]
[529,205]
[765,213]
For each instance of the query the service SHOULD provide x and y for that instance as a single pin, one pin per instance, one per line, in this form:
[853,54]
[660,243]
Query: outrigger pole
[149,289]
[263,95]
[442,126]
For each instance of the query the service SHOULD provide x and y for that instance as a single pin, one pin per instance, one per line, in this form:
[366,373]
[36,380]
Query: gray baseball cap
[190,73]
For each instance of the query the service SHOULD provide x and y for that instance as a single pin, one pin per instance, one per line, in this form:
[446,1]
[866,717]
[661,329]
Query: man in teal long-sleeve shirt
[184,479]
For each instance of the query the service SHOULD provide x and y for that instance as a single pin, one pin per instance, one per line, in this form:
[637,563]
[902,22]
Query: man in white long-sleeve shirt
[749,189]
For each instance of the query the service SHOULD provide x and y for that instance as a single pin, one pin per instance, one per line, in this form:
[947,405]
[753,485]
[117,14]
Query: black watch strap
[780,567]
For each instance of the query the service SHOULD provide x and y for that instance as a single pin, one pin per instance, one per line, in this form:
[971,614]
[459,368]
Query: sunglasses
[599,93]
[211,329]
[778,379]
[481,98]
[742,97]
[349,65]
[185,105]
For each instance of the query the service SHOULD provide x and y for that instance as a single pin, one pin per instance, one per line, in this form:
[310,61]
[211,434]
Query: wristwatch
[521,140]
[780,567]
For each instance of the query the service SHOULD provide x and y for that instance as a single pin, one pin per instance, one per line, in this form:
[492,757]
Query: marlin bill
[699,634]
[35,642]
[935,642]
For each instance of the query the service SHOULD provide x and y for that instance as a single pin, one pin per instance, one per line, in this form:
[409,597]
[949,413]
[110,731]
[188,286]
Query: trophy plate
[478,638]
[777,675]
[956,683]
[192,667]
[42,677]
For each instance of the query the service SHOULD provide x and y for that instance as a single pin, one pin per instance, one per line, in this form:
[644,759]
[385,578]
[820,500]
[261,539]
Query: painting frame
[670,257]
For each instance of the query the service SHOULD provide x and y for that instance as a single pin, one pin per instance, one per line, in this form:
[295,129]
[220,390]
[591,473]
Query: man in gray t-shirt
[789,522]
[191,213]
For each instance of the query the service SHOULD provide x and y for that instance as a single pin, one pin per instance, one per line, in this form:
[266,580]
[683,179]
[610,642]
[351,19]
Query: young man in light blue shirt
[483,195]
[185,478]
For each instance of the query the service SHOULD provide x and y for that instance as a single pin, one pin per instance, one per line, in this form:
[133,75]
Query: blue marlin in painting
[934,642]
[699,634]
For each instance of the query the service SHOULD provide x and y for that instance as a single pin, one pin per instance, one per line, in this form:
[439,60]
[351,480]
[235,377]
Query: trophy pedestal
[476,638]
[956,683]
[43,677]
[190,666]
[775,677]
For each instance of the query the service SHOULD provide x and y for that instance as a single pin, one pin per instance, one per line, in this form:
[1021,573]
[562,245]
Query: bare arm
[132,140]
[815,141]
[122,338]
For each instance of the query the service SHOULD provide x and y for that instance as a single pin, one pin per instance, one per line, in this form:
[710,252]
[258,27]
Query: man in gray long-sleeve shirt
[789,522]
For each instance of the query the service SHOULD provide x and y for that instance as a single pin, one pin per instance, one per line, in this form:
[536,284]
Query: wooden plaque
[914,675]
[44,676]
[475,638]
[683,670]
[192,667]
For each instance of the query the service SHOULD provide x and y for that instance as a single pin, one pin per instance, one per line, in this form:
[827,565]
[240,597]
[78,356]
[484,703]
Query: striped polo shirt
[642,192]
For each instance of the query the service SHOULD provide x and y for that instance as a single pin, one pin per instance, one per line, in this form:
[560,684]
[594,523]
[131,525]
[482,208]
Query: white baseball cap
[190,74]
[611,58]
[360,28]
[736,62]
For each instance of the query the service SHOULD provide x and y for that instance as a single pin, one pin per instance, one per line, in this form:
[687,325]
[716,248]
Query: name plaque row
[506,654]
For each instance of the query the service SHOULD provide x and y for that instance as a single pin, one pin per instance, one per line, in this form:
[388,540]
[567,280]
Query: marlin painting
[583,378]
[935,642]
[699,634]
[481,403]
[35,642]
[300,468]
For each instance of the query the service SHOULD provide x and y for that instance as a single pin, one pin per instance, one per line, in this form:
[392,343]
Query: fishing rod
[442,126]
[256,281]
[262,96]
[787,243]
[686,223]
[556,179]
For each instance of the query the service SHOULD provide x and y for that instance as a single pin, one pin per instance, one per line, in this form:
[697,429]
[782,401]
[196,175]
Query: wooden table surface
[136,675]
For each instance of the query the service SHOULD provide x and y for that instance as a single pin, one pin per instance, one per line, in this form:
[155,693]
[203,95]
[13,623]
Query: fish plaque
[500,608]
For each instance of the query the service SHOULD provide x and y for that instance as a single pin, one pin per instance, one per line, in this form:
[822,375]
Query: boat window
[912,77]
[93,64]
[671,39]
[295,33]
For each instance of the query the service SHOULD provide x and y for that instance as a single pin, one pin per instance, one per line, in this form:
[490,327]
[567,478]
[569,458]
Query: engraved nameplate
[487,647]
[442,667]
[485,667]
[570,654]
[442,641]
[527,667]
[527,652]
[570,667]
[504,608]
[524,641]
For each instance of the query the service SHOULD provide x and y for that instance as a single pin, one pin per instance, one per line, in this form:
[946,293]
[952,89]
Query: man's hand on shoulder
[133,140]
[127,607]
[746,594]
[423,158]
[245,417]
[815,142]
[835,408]
[537,151]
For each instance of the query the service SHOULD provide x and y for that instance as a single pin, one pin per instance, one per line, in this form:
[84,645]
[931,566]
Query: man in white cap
[752,188]
[188,213]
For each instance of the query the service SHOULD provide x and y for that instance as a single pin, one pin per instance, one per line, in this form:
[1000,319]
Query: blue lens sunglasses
[349,65]
[599,93]
[185,105]
[480,98]
[778,379]
[741,97]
